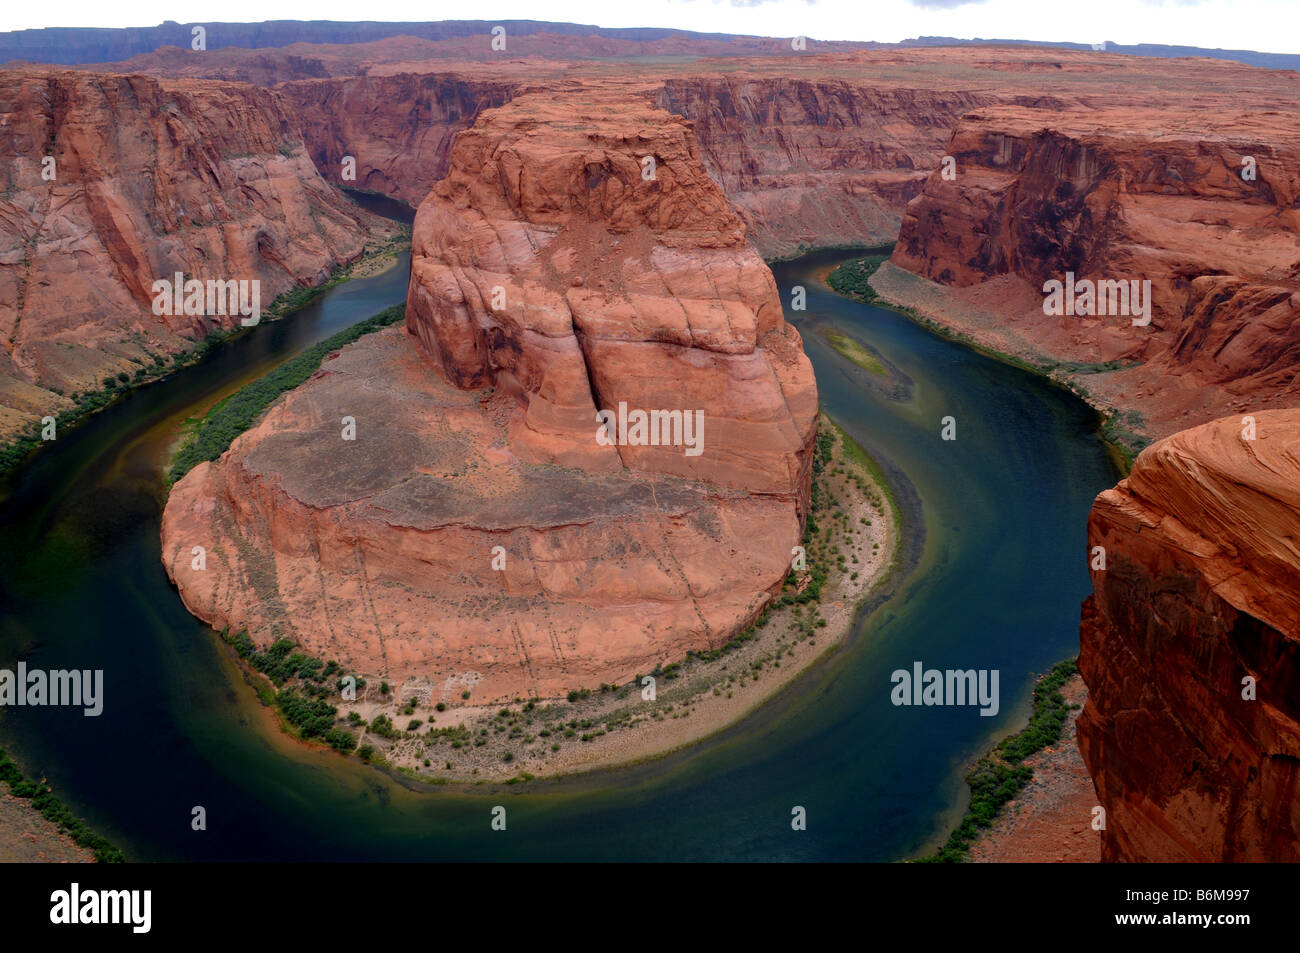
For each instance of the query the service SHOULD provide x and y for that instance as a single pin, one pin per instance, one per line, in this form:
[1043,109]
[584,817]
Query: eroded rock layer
[477,531]
[1200,593]
[1204,208]
[118,181]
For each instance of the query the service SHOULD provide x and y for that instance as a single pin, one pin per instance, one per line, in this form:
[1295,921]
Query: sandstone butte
[476,429]
[1201,590]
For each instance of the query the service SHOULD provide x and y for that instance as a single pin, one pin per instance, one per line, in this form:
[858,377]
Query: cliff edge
[1191,647]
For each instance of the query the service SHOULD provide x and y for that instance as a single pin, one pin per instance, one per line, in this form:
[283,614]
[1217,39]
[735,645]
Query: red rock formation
[1201,590]
[151,178]
[398,128]
[1102,194]
[807,162]
[477,429]
[814,162]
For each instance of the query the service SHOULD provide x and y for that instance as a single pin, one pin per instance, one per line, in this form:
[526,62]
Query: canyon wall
[398,128]
[1099,194]
[807,162]
[1200,592]
[149,178]
[817,162]
[481,532]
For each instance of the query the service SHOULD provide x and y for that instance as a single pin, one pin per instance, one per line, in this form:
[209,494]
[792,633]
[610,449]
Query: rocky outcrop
[1101,195]
[146,179]
[806,162]
[1191,647]
[481,530]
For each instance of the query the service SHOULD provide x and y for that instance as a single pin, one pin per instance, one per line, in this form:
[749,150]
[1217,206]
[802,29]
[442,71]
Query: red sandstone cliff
[816,162]
[398,128]
[1201,590]
[550,278]
[806,161]
[1102,194]
[151,178]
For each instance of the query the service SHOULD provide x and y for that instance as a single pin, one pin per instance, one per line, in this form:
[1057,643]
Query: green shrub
[999,776]
[57,813]
[212,436]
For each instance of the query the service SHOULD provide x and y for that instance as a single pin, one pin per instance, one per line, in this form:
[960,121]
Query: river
[998,582]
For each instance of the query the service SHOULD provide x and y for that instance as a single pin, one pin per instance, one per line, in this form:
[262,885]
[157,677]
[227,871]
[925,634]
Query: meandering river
[997,585]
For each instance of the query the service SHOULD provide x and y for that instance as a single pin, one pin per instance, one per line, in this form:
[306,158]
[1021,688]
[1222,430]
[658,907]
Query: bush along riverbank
[155,366]
[56,812]
[444,735]
[1002,774]
[1123,431]
[211,436]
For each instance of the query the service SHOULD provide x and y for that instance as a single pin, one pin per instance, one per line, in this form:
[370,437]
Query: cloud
[942,4]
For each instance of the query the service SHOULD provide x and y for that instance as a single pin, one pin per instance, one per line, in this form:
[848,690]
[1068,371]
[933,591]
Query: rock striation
[479,531]
[1205,209]
[148,178]
[397,128]
[813,161]
[1200,591]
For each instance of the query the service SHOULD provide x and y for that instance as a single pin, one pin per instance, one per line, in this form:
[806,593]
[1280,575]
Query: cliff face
[816,162]
[480,531]
[1103,196]
[806,162]
[150,179]
[1201,590]
[398,128]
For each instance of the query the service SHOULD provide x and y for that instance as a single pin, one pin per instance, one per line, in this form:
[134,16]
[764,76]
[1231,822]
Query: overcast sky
[1266,25]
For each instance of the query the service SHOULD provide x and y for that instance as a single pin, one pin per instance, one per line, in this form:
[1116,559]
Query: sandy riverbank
[979,316]
[1051,819]
[27,837]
